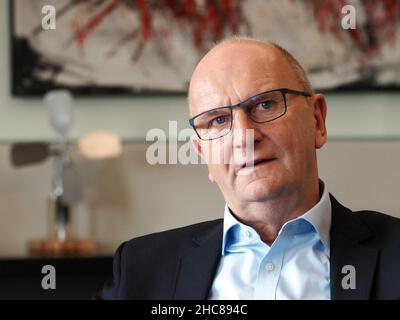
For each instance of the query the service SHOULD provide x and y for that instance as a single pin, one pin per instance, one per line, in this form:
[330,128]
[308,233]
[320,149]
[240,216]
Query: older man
[283,235]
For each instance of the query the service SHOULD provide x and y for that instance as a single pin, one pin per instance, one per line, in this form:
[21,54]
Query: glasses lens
[214,123]
[266,107]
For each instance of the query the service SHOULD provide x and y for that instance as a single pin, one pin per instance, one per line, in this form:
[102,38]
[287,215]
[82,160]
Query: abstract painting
[152,46]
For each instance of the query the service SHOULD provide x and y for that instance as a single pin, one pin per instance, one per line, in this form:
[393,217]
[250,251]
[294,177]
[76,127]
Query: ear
[210,177]
[320,110]
[197,147]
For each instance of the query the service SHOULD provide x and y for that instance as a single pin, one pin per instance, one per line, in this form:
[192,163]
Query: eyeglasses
[263,107]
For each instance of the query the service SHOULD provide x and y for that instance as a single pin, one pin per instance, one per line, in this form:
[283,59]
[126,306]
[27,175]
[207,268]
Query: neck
[268,217]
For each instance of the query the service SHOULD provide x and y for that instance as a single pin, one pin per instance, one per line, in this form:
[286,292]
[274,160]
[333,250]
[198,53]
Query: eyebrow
[215,110]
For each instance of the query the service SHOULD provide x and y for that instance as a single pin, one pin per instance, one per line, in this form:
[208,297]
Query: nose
[244,129]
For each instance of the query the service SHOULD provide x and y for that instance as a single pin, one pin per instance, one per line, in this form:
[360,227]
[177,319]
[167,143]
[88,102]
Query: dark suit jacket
[181,263]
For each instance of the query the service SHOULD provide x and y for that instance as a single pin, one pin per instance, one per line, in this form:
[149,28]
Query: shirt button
[269,266]
[248,233]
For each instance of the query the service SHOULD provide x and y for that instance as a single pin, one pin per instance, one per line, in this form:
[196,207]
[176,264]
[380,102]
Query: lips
[256,163]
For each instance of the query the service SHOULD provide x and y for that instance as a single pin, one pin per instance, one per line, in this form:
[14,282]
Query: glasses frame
[243,103]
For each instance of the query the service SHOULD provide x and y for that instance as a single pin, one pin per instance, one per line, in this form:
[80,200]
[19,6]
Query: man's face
[284,149]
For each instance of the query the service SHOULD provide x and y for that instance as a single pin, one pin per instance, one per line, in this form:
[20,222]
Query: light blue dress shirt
[296,266]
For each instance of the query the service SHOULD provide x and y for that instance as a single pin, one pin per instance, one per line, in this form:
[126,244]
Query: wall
[350,115]
[128,197]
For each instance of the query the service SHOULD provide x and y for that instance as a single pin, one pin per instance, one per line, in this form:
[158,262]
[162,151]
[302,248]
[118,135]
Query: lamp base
[72,247]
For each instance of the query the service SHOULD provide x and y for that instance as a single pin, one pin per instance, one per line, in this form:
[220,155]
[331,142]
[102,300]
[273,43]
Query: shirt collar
[319,217]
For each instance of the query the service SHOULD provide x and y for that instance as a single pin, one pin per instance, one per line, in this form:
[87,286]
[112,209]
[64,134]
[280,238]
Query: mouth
[256,163]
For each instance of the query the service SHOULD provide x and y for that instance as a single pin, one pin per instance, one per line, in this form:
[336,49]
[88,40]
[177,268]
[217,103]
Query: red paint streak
[82,34]
[377,29]
[231,15]
[145,17]
[146,31]
[213,20]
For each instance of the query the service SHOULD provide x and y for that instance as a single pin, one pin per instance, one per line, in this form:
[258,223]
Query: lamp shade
[59,106]
[100,145]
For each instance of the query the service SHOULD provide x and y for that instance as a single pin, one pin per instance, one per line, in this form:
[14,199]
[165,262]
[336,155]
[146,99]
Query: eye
[265,105]
[218,120]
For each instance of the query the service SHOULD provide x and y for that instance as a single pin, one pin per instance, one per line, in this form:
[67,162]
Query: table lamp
[66,190]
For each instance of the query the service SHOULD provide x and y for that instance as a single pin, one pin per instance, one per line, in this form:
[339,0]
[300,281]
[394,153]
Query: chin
[261,190]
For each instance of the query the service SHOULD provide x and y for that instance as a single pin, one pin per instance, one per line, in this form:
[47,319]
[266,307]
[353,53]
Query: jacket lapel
[199,265]
[350,245]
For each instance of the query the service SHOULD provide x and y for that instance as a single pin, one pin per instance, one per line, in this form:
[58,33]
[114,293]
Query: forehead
[233,72]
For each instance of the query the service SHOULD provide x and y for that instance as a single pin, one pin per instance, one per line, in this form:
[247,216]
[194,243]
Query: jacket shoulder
[146,267]
[173,240]
[382,225]
[378,223]
[378,219]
